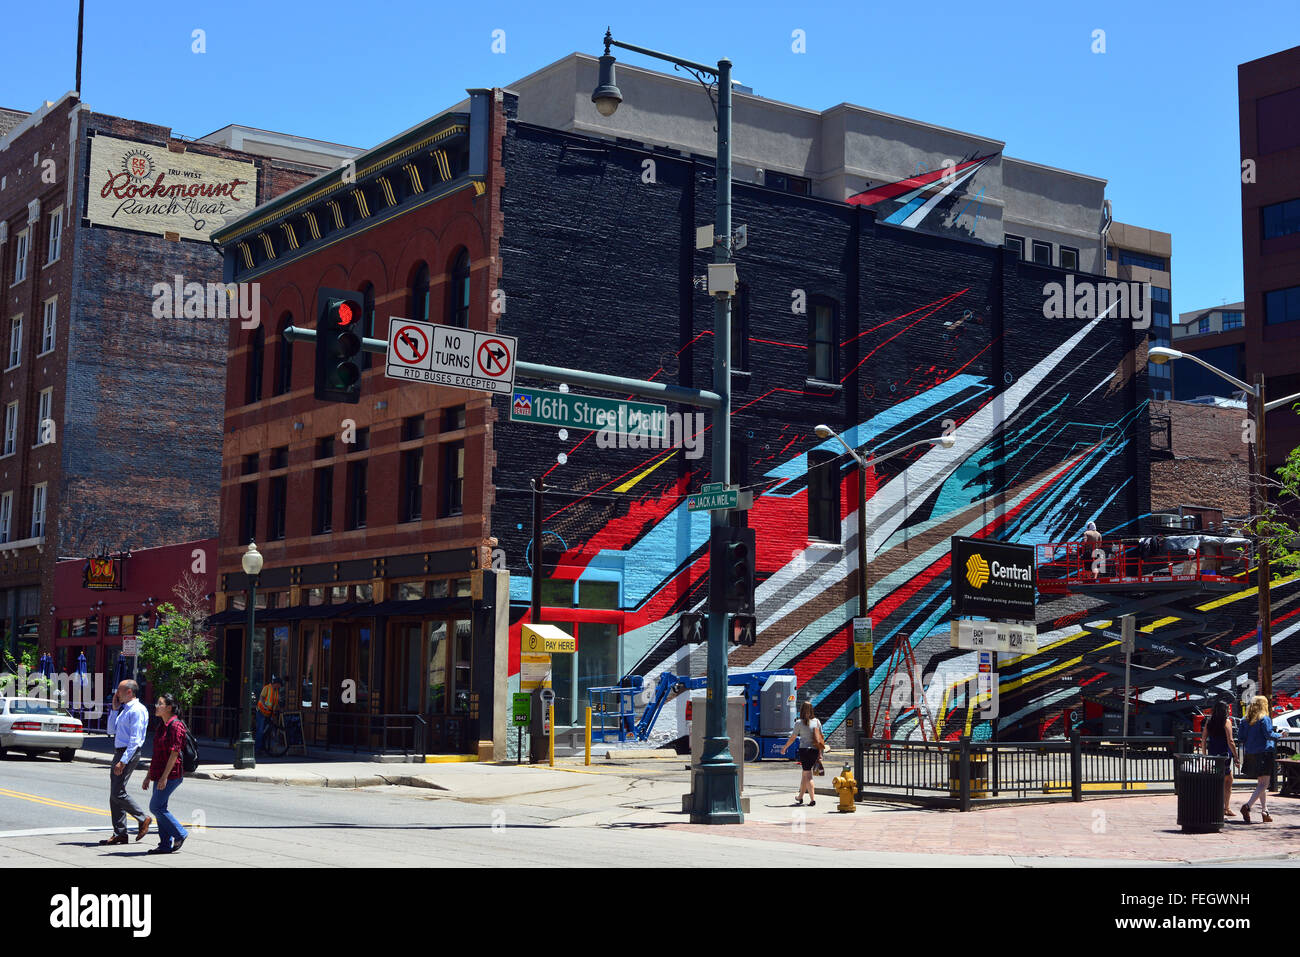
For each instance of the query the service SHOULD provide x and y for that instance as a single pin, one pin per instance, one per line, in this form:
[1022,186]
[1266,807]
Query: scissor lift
[1152,579]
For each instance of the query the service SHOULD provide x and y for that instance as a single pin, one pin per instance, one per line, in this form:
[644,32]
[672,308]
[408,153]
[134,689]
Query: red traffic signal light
[338,345]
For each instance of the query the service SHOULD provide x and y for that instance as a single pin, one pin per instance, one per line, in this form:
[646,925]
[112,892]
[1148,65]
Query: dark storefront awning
[362,609]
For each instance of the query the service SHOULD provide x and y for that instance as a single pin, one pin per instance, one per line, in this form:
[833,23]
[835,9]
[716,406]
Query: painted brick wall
[597,264]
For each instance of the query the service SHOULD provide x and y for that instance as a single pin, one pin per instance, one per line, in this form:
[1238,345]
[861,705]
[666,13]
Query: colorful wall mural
[930,335]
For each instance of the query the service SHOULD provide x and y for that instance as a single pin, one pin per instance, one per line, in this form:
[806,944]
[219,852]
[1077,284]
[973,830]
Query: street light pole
[1259,484]
[1265,572]
[716,786]
[245,749]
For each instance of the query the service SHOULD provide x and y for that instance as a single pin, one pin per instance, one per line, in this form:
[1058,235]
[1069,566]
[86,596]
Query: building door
[314,681]
[407,683]
[596,664]
[345,722]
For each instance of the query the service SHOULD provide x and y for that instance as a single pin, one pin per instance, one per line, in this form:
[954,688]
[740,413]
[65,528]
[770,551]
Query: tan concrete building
[1145,255]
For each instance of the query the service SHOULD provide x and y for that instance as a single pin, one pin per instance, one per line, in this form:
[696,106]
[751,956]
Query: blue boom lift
[763,739]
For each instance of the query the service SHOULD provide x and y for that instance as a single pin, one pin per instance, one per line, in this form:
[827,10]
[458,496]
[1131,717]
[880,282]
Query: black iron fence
[406,734]
[965,772]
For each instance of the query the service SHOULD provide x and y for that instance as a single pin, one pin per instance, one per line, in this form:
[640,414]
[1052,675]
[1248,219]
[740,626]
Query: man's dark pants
[120,801]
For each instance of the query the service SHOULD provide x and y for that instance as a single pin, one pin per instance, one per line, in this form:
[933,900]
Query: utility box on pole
[735,735]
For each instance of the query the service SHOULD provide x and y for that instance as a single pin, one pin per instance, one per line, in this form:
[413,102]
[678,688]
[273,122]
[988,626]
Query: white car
[33,725]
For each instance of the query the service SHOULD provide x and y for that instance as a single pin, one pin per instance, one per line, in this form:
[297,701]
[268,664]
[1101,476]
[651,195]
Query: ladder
[903,654]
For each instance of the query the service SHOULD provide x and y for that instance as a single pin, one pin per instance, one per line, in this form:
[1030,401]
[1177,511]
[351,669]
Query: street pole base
[716,790]
[244,754]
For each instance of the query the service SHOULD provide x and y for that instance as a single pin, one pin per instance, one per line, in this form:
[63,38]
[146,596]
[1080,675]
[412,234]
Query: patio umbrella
[81,680]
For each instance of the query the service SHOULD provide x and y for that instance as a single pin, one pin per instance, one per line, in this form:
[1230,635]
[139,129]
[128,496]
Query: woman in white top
[811,743]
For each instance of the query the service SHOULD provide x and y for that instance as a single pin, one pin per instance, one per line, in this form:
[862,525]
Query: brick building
[1209,465]
[886,333]
[370,516]
[1268,91]
[95,608]
[112,397]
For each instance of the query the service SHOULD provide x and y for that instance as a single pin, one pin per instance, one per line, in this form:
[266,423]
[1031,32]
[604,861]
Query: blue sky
[1155,115]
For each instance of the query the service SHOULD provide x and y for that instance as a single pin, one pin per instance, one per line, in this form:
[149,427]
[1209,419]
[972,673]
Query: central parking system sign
[449,355]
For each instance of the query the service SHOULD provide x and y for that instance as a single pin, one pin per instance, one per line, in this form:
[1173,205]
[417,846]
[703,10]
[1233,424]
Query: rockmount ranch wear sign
[153,190]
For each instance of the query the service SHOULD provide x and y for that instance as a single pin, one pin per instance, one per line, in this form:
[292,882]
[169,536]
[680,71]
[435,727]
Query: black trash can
[1198,782]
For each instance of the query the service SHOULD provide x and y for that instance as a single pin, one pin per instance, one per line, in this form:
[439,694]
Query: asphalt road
[54,814]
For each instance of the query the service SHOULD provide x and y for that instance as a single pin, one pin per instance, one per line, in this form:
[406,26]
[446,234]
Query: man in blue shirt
[127,722]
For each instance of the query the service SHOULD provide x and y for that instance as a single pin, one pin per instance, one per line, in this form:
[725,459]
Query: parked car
[1287,724]
[36,725]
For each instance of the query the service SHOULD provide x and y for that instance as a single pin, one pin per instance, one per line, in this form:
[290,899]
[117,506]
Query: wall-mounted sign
[149,188]
[102,574]
[993,579]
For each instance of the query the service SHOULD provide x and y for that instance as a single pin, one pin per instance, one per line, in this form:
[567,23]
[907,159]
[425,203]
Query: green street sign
[523,708]
[712,497]
[564,409]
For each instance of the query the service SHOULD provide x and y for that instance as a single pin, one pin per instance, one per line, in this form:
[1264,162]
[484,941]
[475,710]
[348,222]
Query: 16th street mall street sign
[542,407]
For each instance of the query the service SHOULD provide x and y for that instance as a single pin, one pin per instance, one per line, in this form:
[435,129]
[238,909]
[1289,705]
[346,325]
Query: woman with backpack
[166,770]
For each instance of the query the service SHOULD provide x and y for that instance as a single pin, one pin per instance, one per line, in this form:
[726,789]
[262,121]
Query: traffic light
[742,629]
[731,558]
[338,345]
[695,628]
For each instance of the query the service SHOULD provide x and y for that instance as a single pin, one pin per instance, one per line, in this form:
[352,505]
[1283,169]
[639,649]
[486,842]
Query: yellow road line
[51,802]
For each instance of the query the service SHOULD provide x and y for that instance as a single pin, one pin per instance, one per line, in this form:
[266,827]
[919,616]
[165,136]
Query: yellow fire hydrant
[847,788]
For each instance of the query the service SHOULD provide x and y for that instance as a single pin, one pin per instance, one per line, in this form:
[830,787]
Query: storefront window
[239,601]
[64,627]
[439,588]
[114,625]
[315,596]
[557,594]
[309,652]
[260,600]
[365,592]
[363,663]
[259,660]
[595,594]
[280,650]
[92,627]
[78,628]
[339,595]
[128,624]
[464,662]
[410,591]
[463,588]
[437,667]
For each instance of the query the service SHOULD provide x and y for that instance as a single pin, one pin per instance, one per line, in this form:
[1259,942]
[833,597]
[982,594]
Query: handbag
[820,769]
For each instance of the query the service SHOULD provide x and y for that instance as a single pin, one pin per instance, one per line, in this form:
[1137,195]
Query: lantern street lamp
[244,751]
[716,785]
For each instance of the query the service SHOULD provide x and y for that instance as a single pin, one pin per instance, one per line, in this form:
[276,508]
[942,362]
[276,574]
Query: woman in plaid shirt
[166,771]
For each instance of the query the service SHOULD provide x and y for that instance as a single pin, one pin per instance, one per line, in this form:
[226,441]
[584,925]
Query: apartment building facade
[112,388]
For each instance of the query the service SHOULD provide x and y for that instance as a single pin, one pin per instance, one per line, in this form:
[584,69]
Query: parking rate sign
[449,355]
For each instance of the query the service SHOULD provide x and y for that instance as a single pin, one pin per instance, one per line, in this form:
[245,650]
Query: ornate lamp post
[244,757]
[717,788]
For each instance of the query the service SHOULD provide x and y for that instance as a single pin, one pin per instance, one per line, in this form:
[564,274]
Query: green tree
[1275,527]
[35,684]
[176,651]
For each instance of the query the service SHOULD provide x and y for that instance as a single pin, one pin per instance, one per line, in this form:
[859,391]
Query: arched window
[420,294]
[284,362]
[367,318]
[458,296]
[256,354]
